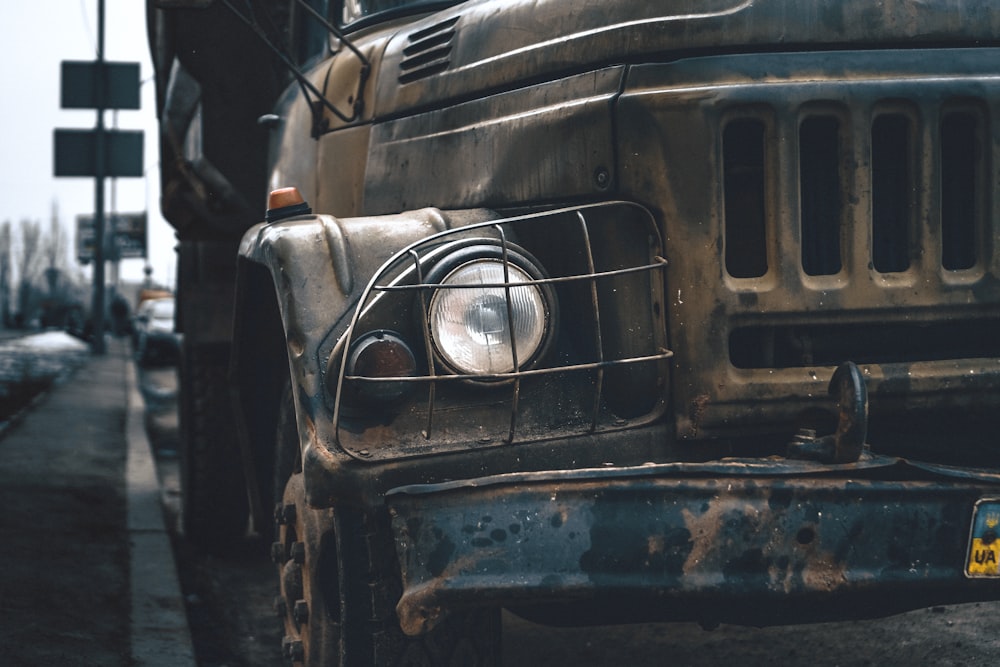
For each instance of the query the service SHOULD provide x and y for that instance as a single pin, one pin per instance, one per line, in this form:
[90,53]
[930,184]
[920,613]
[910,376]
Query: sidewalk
[86,570]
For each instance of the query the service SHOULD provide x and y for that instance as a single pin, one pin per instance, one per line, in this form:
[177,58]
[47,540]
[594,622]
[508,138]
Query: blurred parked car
[156,342]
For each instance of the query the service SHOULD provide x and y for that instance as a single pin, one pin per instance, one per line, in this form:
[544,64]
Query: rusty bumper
[761,545]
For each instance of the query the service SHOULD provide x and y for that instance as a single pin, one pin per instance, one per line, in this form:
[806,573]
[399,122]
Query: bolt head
[292,648]
[602,178]
[301,612]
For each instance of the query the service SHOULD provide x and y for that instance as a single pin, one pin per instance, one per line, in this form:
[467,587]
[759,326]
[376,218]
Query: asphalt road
[229,607]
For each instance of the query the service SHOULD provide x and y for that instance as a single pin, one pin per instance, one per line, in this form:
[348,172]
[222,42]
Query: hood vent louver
[428,51]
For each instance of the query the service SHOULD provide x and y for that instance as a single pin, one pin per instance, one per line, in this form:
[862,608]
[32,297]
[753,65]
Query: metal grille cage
[599,269]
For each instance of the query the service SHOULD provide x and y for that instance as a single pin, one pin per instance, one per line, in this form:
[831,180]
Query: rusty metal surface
[320,265]
[847,443]
[516,146]
[774,337]
[498,44]
[811,548]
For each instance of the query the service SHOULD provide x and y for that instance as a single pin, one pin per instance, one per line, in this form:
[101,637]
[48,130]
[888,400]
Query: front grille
[842,207]
[945,231]
[604,370]
[925,170]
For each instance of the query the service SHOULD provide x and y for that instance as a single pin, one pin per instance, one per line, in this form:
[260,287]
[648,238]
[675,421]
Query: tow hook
[848,442]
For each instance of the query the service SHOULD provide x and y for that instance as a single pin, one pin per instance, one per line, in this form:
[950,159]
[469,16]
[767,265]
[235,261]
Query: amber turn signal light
[285,203]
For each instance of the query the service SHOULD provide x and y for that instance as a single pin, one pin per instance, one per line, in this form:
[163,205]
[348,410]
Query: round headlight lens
[470,325]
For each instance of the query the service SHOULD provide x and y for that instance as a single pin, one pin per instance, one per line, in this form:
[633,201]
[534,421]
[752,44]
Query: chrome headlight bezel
[470,347]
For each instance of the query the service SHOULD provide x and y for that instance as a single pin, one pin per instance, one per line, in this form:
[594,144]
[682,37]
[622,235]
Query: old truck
[595,311]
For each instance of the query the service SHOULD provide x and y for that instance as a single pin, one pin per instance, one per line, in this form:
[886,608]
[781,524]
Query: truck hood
[476,48]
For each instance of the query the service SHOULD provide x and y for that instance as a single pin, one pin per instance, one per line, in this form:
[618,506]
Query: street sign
[79,85]
[128,240]
[76,153]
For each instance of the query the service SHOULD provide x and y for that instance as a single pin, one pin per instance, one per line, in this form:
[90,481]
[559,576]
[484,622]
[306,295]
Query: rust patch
[792,564]
[821,573]
[697,410]
[706,535]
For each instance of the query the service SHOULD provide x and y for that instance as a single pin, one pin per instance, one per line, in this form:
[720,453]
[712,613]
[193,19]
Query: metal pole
[112,228]
[97,304]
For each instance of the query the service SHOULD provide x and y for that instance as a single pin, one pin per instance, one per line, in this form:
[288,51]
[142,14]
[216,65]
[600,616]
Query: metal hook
[848,442]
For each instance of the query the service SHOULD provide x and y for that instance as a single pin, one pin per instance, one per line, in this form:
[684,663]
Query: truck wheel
[339,585]
[214,497]
[287,457]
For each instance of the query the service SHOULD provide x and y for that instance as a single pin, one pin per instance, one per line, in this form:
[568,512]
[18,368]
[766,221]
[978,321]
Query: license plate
[983,559]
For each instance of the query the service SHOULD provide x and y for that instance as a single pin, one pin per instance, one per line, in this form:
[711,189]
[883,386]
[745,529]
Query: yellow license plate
[983,559]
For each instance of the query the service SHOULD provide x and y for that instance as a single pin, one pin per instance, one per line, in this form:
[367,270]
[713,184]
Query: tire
[339,584]
[287,457]
[215,509]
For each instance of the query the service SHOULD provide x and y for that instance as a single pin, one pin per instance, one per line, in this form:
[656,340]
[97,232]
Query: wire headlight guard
[488,315]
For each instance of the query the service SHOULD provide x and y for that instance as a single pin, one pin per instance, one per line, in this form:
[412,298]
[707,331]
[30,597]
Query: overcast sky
[38,35]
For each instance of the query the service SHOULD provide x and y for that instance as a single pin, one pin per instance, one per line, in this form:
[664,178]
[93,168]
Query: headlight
[471,324]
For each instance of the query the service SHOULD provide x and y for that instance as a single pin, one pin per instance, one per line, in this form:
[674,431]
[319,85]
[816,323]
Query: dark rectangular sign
[124,236]
[79,85]
[76,153]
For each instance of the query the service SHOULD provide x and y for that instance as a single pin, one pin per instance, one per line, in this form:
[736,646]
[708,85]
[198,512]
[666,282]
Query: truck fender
[298,281]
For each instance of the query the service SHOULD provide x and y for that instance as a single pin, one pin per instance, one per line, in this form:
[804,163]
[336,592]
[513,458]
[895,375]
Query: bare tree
[35,265]
[54,249]
[27,268]
[55,243]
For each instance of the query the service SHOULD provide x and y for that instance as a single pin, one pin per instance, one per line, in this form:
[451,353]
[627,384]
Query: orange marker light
[285,203]
[283,197]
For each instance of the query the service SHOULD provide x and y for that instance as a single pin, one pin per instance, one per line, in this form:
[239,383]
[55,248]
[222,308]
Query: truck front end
[704,322]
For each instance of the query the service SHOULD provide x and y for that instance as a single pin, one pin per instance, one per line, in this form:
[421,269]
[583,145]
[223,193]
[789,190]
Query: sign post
[97,300]
[99,153]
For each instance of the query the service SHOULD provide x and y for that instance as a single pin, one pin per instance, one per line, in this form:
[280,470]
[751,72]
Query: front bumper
[754,542]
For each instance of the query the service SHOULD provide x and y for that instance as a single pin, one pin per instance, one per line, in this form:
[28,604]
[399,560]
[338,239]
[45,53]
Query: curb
[159,628]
